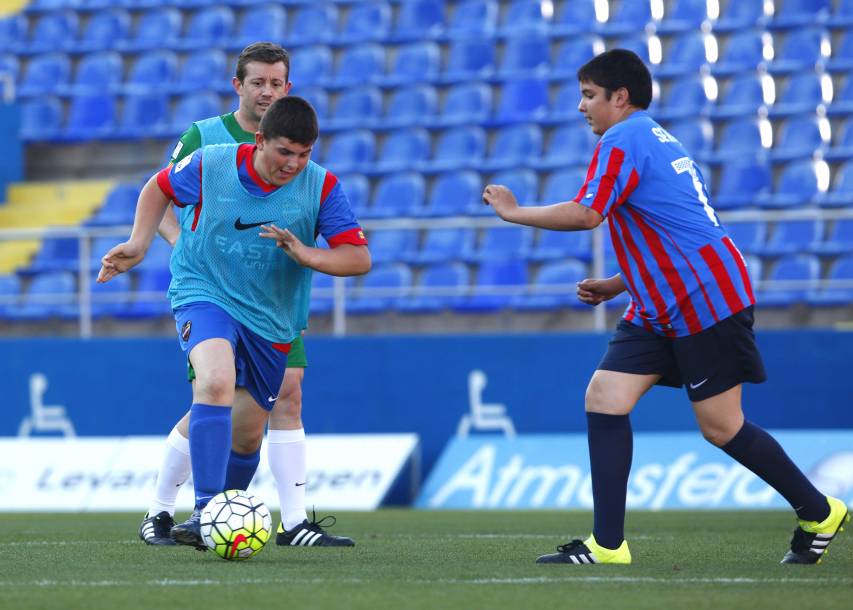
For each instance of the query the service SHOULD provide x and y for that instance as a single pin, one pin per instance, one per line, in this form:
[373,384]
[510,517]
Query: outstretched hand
[596,291]
[119,259]
[287,241]
[501,199]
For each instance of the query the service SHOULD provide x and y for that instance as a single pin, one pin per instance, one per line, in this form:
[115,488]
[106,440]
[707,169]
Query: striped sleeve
[611,176]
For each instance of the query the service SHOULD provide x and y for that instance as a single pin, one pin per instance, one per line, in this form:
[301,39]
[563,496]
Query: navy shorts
[260,363]
[706,364]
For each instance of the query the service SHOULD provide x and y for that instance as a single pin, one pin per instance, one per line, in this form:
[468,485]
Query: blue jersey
[683,272]
[223,260]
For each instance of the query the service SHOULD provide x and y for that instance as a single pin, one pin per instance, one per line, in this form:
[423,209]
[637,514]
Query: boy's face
[280,160]
[601,113]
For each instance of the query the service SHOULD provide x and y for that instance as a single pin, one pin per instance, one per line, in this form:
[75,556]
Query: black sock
[758,451]
[611,445]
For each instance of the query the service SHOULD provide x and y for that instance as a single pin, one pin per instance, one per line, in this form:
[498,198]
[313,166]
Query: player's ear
[238,86]
[259,140]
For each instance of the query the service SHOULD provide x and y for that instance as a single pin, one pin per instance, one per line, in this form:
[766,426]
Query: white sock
[286,452]
[174,472]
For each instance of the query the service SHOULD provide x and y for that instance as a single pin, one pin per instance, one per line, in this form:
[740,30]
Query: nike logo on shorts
[693,386]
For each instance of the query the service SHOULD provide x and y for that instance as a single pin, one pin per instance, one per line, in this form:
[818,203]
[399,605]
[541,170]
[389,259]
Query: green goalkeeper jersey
[191,139]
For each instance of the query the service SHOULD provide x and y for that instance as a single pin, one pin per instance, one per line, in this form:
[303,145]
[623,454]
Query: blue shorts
[706,364]
[259,363]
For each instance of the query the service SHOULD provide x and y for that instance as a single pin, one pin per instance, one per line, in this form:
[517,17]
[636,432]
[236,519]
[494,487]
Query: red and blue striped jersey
[683,272]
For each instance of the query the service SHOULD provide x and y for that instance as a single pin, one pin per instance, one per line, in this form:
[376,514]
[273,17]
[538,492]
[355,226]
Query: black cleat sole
[188,538]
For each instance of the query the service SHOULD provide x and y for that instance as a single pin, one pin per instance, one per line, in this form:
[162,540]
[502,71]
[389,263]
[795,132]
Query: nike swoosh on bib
[242,227]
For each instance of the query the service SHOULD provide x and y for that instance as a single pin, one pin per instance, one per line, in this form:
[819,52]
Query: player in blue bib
[689,319]
[239,301]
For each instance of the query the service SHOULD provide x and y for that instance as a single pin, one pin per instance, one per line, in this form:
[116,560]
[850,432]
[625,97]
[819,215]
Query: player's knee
[598,398]
[717,435]
[289,403]
[244,444]
[217,390]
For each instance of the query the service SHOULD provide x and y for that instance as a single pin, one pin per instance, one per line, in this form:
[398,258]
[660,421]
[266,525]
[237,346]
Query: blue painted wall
[416,384]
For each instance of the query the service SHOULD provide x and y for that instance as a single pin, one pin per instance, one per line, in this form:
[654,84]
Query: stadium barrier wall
[432,386]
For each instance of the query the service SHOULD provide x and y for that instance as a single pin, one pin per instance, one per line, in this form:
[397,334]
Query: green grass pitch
[436,560]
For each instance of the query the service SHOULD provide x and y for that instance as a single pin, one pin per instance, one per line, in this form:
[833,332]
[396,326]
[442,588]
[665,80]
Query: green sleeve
[190,141]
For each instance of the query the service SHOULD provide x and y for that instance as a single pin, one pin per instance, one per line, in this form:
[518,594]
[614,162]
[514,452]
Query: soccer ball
[235,524]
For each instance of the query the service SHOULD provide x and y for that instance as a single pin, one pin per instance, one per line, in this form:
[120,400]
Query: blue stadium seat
[41,118]
[522,182]
[473,18]
[683,16]
[522,99]
[838,239]
[799,138]
[149,300]
[575,18]
[443,245]
[356,107]
[145,115]
[45,75]
[442,285]
[357,189]
[10,294]
[399,195]
[741,183]
[743,52]
[513,146]
[629,17]
[159,28]
[804,269]
[202,70]
[638,43]
[350,151]
[742,96]
[470,59]
[321,294]
[317,97]
[10,66]
[559,245]
[574,53]
[52,32]
[802,94]
[800,13]
[685,56]
[313,64]
[91,116]
[419,20]
[404,149]
[413,105]
[313,24]
[842,53]
[13,32]
[801,50]
[842,101]
[833,295]
[103,30]
[496,280]
[502,243]
[118,209]
[56,254]
[157,256]
[739,138]
[749,236]
[210,26]
[842,148]
[454,193]
[684,98]
[459,147]
[740,16]
[194,107]
[797,186]
[101,245]
[565,106]
[152,69]
[395,282]
[414,62]
[792,237]
[563,185]
[841,193]
[695,134]
[49,294]
[97,72]
[526,54]
[392,245]
[569,144]
[259,22]
[466,103]
[365,21]
[111,299]
[523,16]
[359,65]
[842,17]
[554,287]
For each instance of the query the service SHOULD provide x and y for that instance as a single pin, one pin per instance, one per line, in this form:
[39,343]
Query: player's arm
[565,216]
[596,291]
[342,260]
[150,207]
[190,141]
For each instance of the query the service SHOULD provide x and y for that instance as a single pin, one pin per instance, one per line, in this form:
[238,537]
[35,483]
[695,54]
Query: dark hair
[619,68]
[290,117]
[264,52]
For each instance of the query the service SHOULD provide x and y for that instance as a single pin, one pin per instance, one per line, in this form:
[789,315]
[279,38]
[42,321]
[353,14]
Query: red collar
[246,154]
